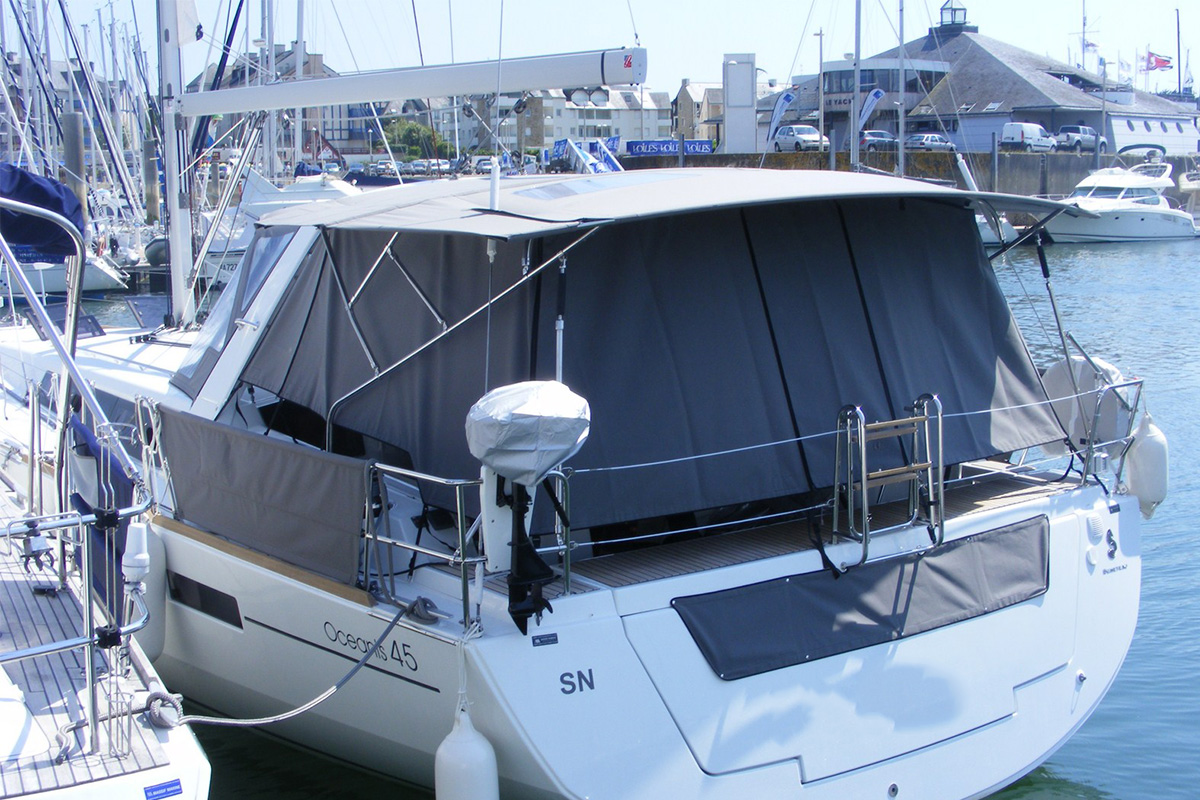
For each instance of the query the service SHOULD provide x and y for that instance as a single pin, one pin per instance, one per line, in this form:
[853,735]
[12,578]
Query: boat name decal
[1111,570]
[577,681]
[400,652]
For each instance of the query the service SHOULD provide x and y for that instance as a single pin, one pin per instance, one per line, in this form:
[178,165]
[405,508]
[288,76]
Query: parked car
[929,141]
[800,137]
[877,140]
[1027,136]
[1080,138]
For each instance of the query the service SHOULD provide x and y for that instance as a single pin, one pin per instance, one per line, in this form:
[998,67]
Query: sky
[683,39]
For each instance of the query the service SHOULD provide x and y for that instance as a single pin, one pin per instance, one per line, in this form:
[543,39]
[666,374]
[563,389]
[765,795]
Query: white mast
[298,59]
[855,98]
[820,34]
[174,149]
[903,98]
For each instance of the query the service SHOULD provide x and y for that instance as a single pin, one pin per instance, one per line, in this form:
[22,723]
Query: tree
[413,140]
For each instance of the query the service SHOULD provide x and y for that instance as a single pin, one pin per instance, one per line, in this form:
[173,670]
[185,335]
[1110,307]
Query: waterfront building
[966,86]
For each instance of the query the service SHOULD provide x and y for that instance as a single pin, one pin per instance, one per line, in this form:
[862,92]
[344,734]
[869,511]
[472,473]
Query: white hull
[1124,225]
[1000,692]
[51,279]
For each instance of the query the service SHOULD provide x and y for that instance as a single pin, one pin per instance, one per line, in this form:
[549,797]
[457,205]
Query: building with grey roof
[966,85]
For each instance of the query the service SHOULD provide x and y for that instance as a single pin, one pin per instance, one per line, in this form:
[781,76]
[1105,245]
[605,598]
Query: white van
[1027,136]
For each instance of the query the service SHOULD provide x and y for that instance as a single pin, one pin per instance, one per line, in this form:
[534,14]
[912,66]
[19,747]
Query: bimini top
[539,205]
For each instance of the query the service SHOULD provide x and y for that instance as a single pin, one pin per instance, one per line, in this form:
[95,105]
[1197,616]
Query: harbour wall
[1043,174]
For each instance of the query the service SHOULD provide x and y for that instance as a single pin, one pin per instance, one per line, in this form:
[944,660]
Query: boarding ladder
[922,470]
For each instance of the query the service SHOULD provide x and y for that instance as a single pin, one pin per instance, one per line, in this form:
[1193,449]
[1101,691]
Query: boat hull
[1124,225]
[52,279]
[612,677]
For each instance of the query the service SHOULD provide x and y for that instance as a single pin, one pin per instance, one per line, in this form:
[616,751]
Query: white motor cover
[1146,466]
[1076,415]
[524,430]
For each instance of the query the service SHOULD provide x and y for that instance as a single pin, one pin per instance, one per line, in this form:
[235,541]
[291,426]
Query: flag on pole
[869,104]
[785,99]
[1155,61]
[190,29]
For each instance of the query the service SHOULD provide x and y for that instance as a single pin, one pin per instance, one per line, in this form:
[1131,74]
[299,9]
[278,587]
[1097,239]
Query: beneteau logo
[1111,570]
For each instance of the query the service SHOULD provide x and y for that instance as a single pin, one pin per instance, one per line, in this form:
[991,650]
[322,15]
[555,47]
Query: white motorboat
[1129,206]
[805,550]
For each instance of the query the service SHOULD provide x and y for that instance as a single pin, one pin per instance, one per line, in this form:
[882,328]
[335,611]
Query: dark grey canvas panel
[667,340]
[300,505]
[824,337]
[767,626]
[942,325]
[688,335]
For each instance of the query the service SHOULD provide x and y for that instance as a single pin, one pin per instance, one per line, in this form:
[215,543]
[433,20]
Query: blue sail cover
[42,235]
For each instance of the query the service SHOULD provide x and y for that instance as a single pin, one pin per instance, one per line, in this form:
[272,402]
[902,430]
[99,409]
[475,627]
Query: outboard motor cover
[524,430]
[521,432]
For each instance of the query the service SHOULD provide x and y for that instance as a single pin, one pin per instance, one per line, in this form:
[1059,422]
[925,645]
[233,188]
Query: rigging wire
[374,110]
[431,150]
[637,41]
[803,38]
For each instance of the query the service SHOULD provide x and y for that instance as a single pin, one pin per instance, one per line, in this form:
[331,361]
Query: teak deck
[54,686]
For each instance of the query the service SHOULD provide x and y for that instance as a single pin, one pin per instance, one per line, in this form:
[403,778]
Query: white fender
[465,765]
[1147,466]
[1076,414]
[145,552]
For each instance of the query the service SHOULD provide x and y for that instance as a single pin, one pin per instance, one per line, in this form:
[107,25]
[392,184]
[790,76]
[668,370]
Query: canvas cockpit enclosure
[715,344]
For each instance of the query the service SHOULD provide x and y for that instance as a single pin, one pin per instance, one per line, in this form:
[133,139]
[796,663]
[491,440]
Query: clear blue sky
[684,39]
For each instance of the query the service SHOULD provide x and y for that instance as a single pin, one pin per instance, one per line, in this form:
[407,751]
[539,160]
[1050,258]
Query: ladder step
[896,475]
[895,423]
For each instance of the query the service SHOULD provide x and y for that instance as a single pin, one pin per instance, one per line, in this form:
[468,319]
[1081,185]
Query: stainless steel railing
[460,558]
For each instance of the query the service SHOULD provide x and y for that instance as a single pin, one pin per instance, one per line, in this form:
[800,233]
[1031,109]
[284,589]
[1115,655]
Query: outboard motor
[520,433]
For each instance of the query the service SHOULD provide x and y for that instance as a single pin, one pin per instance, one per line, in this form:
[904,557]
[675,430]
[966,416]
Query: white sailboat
[805,549]
[687,624]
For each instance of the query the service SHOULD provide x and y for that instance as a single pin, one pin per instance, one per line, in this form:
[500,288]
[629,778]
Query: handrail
[457,558]
[1126,439]
[65,350]
[66,645]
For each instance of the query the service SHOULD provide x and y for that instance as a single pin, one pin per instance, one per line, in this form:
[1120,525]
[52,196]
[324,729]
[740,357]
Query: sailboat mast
[1178,57]
[855,98]
[298,73]
[902,98]
[174,149]
[1083,36]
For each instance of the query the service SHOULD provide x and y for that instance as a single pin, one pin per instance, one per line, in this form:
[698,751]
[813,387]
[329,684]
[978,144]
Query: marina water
[1134,305]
